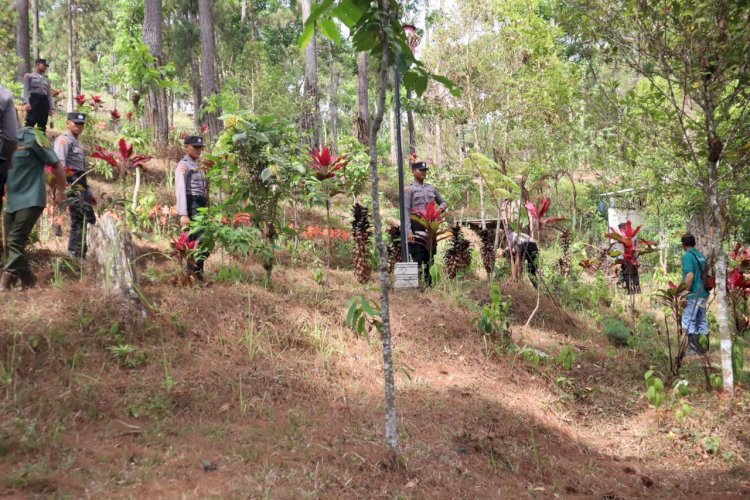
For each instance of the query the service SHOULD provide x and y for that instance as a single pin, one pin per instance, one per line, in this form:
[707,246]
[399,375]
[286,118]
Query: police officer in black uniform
[37,94]
[71,154]
[418,195]
[191,192]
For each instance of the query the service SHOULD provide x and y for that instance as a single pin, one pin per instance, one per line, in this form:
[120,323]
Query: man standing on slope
[37,94]
[694,272]
[71,154]
[27,197]
[417,196]
[191,192]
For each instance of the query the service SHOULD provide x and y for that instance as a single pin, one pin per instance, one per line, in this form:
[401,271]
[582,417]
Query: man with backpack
[699,283]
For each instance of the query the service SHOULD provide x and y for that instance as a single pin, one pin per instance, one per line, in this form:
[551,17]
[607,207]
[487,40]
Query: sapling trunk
[391,433]
[136,189]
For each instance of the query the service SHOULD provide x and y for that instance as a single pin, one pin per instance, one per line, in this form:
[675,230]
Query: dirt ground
[238,391]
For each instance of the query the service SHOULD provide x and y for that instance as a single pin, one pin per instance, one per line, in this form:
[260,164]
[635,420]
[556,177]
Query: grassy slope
[270,388]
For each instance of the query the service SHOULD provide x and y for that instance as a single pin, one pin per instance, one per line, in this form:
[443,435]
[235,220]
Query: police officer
[191,191]
[81,201]
[417,196]
[8,133]
[27,197]
[37,94]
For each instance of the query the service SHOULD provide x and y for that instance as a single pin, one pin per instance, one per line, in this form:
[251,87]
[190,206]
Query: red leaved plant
[114,114]
[430,218]
[81,99]
[325,164]
[123,160]
[632,247]
[538,211]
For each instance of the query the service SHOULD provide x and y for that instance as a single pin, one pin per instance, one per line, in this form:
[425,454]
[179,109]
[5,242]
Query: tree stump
[109,252]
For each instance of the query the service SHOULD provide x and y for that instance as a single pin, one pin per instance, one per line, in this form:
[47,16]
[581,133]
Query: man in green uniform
[27,198]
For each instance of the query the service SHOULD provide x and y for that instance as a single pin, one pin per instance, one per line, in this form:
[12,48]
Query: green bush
[617,332]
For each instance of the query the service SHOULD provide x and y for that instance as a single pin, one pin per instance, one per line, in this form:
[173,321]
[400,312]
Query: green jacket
[26,181]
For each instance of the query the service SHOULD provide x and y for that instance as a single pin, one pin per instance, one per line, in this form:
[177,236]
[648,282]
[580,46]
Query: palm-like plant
[325,164]
[124,160]
[537,214]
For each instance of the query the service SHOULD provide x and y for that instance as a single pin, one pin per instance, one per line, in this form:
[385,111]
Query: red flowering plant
[124,159]
[430,218]
[738,288]
[325,169]
[674,298]
[97,102]
[633,247]
[129,116]
[185,250]
[539,210]
[114,115]
[81,99]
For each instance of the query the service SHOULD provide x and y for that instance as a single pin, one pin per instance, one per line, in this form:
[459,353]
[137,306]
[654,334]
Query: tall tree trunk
[439,141]
[71,55]
[391,431]
[311,118]
[333,102]
[208,64]
[157,113]
[363,99]
[719,225]
[22,39]
[35,29]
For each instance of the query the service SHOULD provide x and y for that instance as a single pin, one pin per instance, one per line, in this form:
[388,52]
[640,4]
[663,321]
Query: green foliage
[617,332]
[682,388]
[567,357]
[654,388]
[683,413]
[361,314]
[494,318]
[257,163]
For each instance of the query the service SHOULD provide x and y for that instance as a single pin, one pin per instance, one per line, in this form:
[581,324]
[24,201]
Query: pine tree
[458,256]
[487,237]
[361,234]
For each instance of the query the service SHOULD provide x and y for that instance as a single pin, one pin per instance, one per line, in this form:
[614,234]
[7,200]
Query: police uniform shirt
[189,180]
[37,83]
[418,196]
[8,127]
[70,152]
[26,182]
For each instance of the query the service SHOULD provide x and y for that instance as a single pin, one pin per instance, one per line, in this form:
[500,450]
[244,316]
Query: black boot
[694,347]
[7,281]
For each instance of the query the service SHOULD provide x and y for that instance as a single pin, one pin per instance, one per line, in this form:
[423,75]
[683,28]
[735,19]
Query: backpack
[707,278]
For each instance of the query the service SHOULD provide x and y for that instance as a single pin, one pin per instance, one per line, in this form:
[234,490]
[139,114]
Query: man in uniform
[191,191]
[37,94]
[417,196]
[522,247]
[71,154]
[8,133]
[27,197]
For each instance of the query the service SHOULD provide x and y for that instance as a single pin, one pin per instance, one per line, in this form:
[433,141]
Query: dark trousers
[421,255]
[81,213]
[19,225]
[39,113]
[193,204]
[530,253]
[630,279]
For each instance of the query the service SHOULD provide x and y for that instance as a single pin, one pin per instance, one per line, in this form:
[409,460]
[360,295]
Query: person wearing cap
[80,199]
[191,191]
[8,139]
[38,97]
[417,196]
[27,197]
